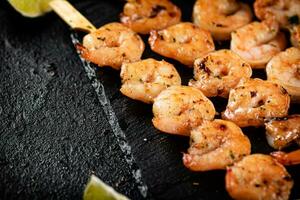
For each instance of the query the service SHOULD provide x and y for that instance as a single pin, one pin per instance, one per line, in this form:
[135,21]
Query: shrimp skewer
[179,109]
[183,42]
[258,42]
[282,132]
[144,80]
[218,72]
[284,69]
[254,100]
[112,45]
[221,17]
[292,158]
[258,176]
[215,145]
[145,15]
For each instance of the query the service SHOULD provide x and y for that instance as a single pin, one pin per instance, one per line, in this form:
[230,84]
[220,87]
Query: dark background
[54,133]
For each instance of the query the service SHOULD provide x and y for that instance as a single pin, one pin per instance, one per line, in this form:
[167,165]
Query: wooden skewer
[71,16]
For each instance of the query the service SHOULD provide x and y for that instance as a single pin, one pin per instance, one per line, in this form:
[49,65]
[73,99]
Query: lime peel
[31,8]
[98,190]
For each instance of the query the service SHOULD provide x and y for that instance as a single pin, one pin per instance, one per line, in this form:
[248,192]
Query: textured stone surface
[54,133]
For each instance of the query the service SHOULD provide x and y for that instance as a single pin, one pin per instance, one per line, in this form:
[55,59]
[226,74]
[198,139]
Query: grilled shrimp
[295,35]
[183,42]
[178,109]
[292,158]
[258,176]
[111,45]
[142,16]
[284,69]
[258,42]
[254,100]
[282,132]
[217,72]
[221,17]
[284,11]
[215,145]
[144,80]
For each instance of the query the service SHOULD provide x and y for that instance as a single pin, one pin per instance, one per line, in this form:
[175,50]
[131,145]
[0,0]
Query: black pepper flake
[257,185]
[161,37]
[192,140]
[260,102]
[180,113]
[101,38]
[217,24]
[155,10]
[223,127]
[253,94]
[207,70]
[201,65]
[231,155]
[283,91]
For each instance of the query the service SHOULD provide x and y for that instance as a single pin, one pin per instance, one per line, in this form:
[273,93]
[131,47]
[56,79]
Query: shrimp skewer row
[216,145]
[281,133]
[145,15]
[284,69]
[183,42]
[112,45]
[218,72]
[254,100]
[292,158]
[144,80]
[258,176]
[221,17]
[258,42]
[286,12]
[179,109]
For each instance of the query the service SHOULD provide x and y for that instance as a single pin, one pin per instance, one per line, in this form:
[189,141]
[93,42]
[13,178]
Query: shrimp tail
[292,158]
[84,52]
[187,159]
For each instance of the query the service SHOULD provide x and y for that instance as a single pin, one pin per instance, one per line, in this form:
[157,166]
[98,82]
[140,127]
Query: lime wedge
[98,190]
[31,8]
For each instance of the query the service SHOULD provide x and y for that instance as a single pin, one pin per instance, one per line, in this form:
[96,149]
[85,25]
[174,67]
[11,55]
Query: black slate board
[54,132]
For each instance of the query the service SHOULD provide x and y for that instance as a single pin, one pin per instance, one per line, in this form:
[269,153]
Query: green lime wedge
[31,8]
[98,190]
